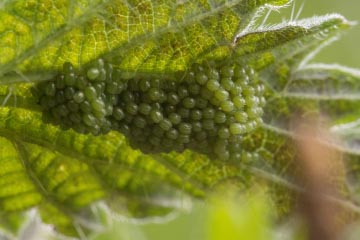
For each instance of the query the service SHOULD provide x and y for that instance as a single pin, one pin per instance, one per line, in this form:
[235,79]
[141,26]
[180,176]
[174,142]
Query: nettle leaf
[62,173]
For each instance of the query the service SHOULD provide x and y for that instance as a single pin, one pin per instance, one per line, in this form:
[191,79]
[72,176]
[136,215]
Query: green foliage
[230,217]
[245,219]
[62,172]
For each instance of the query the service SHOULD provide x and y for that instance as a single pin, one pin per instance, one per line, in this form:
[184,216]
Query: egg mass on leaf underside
[208,111]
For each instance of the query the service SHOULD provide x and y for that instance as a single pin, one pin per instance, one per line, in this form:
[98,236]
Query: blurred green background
[345,51]
[198,224]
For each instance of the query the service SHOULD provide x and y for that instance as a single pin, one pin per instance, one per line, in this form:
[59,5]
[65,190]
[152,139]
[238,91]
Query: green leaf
[230,220]
[62,173]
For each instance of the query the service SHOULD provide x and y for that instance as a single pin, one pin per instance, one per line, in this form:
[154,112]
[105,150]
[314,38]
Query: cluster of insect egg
[208,111]
[81,102]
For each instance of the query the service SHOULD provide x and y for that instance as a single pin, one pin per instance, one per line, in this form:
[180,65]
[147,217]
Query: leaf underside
[62,173]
